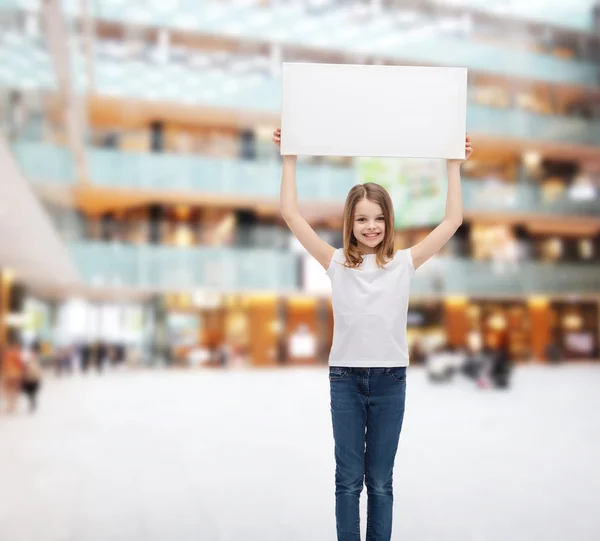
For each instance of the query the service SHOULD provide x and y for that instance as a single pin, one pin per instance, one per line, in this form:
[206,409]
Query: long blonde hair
[376,194]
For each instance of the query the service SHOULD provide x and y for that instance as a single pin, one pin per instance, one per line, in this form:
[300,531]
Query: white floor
[248,456]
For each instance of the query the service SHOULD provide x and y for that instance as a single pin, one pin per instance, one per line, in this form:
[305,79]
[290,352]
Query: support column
[89,36]
[456,321]
[6,280]
[324,329]
[540,317]
[301,330]
[263,330]
[12,300]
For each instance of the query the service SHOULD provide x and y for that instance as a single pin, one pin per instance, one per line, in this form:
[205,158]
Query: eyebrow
[366,215]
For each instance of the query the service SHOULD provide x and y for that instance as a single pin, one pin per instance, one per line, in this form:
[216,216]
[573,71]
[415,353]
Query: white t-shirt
[370,308]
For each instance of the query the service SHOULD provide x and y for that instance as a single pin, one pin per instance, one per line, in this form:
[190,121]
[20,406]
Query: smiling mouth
[371,235]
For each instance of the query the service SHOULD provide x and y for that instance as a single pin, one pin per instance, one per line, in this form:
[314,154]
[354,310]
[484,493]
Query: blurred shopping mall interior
[139,209]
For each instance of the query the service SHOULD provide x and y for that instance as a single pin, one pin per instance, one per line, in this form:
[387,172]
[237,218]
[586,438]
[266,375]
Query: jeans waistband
[370,370]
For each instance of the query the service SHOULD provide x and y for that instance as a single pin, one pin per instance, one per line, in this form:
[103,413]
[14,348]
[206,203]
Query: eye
[381,218]
[360,220]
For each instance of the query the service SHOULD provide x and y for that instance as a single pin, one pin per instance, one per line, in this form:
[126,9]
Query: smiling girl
[368,358]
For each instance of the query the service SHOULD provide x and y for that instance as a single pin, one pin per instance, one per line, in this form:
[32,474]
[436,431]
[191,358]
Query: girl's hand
[277,140]
[468,152]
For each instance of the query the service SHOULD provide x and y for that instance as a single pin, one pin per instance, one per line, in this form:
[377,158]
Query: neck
[365,250]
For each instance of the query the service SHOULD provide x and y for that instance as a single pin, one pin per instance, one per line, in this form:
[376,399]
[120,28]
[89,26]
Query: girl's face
[369,225]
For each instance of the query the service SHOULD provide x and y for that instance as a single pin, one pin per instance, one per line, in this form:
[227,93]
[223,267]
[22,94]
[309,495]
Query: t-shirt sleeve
[333,263]
[409,261]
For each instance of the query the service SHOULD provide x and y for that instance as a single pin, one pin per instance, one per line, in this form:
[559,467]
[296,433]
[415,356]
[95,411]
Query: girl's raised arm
[433,242]
[315,245]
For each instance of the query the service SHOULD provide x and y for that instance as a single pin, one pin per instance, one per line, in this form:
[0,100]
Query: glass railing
[225,176]
[482,195]
[236,177]
[576,15]
[337,30]
[188,84]
[253,269]
[45,163]
[73,226]
[513,123]
[229,177]
[454,276]
[139,80]
[172,268]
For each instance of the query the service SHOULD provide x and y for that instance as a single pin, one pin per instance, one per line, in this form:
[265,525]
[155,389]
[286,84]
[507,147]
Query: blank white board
[359,110]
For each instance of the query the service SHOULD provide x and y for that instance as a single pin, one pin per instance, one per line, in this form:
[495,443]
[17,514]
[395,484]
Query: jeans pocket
[336,372]
[398,373]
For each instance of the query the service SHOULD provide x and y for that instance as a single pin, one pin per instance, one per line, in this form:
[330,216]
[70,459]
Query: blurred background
[140,197]
[139,209]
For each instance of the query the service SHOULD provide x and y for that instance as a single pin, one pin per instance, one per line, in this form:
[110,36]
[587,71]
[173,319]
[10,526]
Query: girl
[369,355]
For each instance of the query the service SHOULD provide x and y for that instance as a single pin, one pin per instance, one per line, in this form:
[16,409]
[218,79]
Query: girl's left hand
[468,151]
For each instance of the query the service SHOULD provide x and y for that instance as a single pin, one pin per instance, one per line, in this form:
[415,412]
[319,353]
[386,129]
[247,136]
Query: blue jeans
[367,409]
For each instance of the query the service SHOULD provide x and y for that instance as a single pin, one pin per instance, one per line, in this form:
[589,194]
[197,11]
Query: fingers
[277,136]
[468,147]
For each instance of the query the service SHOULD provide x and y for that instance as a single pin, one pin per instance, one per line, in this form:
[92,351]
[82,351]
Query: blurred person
[12,374]
[68,359]
[239,356]
[417,355]
[501,365]
[477,360]
[369,355]
[32,376]
[120,352]
[223,354]
[86,357]
[75,356]
[63,360]
[282,349]
[56,360]
[554,352]
[443,363]
[100,357]
[472,365]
